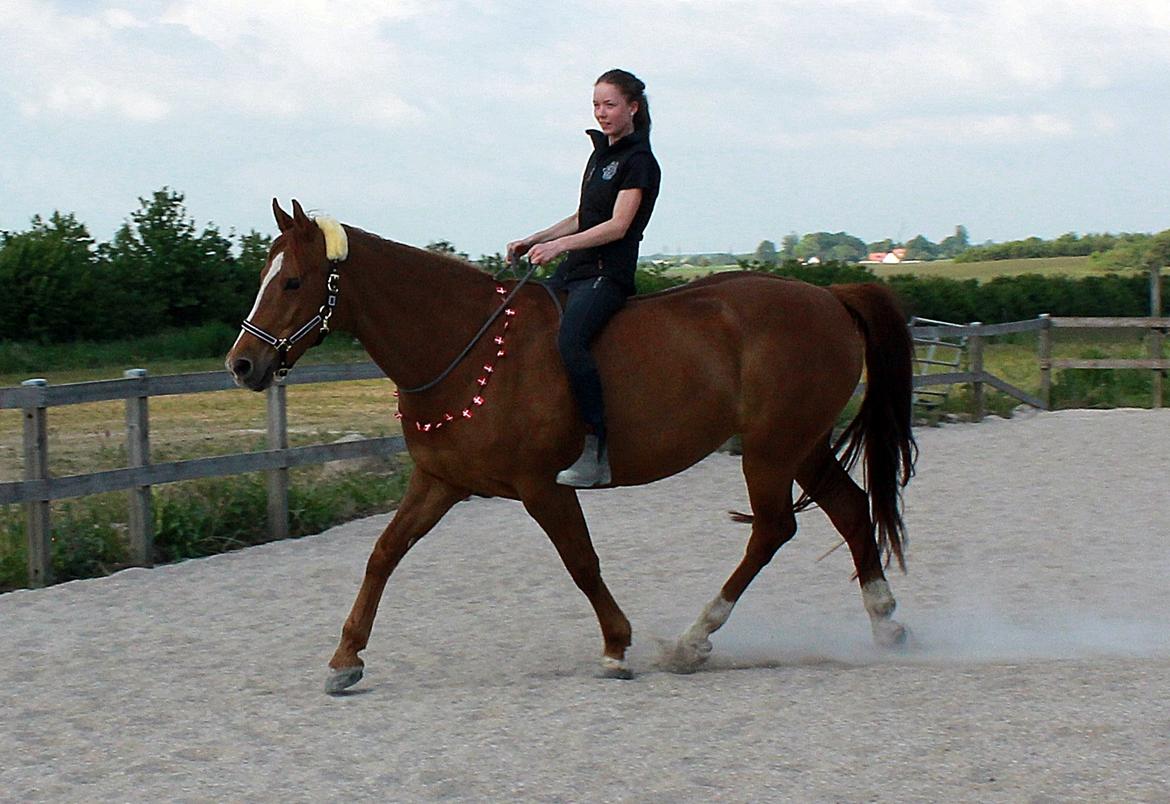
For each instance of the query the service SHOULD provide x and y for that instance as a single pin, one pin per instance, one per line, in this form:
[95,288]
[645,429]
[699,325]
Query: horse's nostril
[241,367]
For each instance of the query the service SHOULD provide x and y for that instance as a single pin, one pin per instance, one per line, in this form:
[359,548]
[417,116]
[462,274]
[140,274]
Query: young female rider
[617,196]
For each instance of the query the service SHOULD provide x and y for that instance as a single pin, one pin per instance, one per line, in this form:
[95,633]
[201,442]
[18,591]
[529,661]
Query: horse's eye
[292,284]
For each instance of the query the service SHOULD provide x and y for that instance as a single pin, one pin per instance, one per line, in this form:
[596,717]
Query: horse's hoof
[343,679]
[616,668]
[685,657]
[891,634]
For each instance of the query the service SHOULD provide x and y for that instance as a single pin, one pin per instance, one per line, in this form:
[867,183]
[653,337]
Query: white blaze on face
[273,270]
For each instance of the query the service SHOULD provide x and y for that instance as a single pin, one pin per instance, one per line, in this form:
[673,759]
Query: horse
[773,360]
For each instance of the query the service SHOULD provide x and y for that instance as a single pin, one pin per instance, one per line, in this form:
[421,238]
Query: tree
[171,275]
[445,247]
[766,252]
[831,246]
[956,244]
[1157,252]
[788,245]
[52,287]
[254,248]
[920,248]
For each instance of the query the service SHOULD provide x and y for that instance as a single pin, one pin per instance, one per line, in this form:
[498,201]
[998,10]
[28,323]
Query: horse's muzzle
[249,373]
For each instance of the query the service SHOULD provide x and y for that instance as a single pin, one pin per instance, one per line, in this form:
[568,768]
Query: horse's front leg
[557,510]
[426,500]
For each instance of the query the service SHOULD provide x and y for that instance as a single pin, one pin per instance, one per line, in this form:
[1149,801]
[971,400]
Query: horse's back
[724,355]
[748,313]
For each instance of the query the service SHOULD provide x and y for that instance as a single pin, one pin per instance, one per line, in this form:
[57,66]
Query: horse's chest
[466,463]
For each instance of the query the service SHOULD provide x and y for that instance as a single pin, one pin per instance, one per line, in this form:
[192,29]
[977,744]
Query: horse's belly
[666,415]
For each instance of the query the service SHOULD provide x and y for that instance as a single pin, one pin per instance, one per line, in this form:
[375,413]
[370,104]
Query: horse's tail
[882,426]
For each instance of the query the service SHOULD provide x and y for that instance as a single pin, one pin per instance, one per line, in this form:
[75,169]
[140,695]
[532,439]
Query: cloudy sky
[438,119]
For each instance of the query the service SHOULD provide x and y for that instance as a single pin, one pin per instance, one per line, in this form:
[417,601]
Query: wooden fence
[38,489]
[34,397]
[976,335]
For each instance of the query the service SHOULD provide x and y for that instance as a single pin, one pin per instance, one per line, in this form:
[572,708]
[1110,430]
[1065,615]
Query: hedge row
[160,272]
[1005,298]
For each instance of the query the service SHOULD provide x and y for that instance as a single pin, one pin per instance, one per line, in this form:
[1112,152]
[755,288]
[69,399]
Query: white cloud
[959,130]
[860,56]
[121,18]
[81,96]
[255,58]
[439,108]
[382,62]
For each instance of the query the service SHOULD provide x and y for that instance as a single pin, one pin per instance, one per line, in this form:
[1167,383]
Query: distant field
[693,271]
[981,271]
[92,437]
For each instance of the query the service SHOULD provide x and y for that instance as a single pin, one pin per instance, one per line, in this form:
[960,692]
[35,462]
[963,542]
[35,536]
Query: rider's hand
[516,249]
[543,253]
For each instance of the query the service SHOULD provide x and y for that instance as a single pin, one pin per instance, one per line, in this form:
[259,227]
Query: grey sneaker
[589,470]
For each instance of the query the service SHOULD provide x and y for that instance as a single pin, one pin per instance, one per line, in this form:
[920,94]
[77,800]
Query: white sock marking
[714,615]
[878,599]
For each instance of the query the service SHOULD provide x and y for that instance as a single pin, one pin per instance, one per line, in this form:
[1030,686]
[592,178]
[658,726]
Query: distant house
[892,257]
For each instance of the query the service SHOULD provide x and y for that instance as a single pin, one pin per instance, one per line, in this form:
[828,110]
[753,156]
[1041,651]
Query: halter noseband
[281,345]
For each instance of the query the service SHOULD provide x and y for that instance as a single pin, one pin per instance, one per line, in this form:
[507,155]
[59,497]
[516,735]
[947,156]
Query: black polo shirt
[626,165]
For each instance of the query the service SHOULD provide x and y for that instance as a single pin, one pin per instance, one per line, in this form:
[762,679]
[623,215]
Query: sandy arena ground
[1037,594]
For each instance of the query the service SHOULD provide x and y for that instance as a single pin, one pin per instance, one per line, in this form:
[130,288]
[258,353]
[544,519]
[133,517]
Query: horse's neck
[412,310]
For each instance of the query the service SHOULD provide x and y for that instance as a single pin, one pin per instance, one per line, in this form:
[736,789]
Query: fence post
[36,467]
[1045,353]
[1156,291]
[975,347]
[1155,343]
[138,452]
[277,479]
[1156,353]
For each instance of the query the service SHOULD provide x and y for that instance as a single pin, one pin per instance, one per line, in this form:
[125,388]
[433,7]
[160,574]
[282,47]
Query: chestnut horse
[771,359]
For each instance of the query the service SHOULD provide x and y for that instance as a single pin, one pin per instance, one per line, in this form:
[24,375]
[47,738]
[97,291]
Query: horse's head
[298,291]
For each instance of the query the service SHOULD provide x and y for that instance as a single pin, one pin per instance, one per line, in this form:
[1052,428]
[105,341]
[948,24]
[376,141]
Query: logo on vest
[610,170]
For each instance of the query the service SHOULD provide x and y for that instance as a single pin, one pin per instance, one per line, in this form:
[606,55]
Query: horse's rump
[732,353]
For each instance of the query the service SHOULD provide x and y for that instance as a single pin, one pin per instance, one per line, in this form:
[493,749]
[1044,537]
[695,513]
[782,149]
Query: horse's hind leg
[773,524]
[847,506]
[557,510]
[426,500]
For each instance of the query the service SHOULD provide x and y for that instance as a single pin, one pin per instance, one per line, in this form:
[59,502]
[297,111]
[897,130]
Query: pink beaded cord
[478,399]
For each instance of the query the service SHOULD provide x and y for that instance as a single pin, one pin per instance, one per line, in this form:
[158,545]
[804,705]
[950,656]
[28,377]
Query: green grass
[689,272]
[199,518]
[197,349]
[1014,359]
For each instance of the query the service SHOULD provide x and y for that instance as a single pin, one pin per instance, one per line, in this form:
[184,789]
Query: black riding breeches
[591,303]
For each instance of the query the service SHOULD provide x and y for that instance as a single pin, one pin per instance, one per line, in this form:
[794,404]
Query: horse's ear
[302,220]
[283,220]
